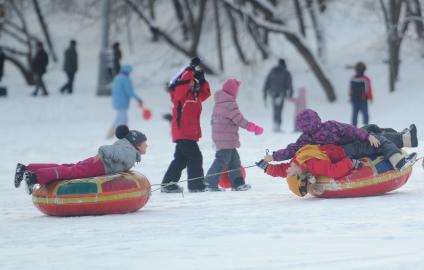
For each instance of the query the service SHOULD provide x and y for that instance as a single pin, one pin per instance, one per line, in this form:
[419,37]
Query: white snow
[264,228]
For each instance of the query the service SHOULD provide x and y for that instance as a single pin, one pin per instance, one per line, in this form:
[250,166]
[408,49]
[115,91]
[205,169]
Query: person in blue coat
[122,92]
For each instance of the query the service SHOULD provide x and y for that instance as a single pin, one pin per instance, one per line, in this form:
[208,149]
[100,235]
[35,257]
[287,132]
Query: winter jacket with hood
[122,89]
[316,132]
[119,157]
[226,117]
[188,107]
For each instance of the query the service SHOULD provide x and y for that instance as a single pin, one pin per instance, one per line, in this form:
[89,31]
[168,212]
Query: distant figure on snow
[2,59]
[360,93]
[122,92]
[299,104]
[39,67]
[117,56]
[70,66]
[278,85]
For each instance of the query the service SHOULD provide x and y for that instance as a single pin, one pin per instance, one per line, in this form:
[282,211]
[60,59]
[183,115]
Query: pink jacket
[226,120]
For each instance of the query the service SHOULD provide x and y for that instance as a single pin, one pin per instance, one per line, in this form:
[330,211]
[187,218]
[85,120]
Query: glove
[251,127]
[357,164]
[262,164]
[199,75]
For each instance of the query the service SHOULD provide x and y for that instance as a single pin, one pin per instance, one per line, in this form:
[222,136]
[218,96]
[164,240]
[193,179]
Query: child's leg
[36,166]
[222,160]
[173,174]
[236,176]
[194,165]
[364,108]
[355,111]
[90,167]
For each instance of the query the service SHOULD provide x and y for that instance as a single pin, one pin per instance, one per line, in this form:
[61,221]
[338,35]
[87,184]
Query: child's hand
[262,164]
[373,141]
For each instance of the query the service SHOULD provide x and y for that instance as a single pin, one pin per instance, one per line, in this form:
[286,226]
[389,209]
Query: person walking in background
[188,90]
[360,93]
[226,120]
[39,68]
[70,66]
[2,59]
[278,86]
[117,56]
[299,105]
[122,92]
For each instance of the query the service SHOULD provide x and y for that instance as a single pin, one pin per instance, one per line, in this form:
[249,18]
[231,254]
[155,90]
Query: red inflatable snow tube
[111,194]
[375,178]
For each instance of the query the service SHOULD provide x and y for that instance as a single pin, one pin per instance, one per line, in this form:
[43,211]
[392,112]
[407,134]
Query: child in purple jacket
[333,132]
[226,120]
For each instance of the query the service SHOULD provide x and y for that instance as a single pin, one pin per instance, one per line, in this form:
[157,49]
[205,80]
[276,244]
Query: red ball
[147,114]
[225,182]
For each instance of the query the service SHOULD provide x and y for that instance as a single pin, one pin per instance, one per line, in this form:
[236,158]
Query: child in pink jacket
[226,120]
[300,105]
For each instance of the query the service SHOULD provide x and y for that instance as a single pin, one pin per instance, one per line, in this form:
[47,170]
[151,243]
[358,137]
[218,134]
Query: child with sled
[118,157]
[226,120]
[333,132]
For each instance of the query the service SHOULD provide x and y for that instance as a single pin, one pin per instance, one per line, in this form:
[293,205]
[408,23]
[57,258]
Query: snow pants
[47,173]
[277,105]
[225,159]
[359,149]
[187,155]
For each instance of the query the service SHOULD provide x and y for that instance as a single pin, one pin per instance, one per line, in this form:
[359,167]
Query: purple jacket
[226,120]
[315,132]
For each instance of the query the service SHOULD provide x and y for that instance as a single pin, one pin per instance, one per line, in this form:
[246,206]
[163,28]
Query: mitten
[254,128]
[199,75]
[262,164]
[357,164]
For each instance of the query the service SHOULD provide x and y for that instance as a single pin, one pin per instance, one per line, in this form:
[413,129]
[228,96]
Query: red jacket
[187,108]
[338,166]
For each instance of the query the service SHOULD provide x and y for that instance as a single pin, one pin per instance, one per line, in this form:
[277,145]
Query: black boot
[413,132]
[19,174]
[30,179]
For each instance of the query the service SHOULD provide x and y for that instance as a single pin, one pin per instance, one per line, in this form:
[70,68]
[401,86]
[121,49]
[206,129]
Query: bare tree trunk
[318,28]
[299,16]
[218,35]
[296,41]
[45,29]
[234,35]
[27,73]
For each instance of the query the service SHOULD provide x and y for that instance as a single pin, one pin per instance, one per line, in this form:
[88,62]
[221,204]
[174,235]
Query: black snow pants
[187,155]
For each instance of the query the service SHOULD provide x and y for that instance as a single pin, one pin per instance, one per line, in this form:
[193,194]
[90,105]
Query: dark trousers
[359,149]
[225,159]
[187,155]
[69,85]
[391,134]
[360,106]
[277,105]
[39,83]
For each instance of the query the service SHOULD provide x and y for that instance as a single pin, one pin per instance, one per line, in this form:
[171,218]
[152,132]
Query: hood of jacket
[308,121]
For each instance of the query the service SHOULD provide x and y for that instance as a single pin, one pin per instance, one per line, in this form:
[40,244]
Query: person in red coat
[188,90]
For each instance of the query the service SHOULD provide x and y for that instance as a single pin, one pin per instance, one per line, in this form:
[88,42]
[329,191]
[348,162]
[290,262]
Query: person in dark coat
[360,93]
[188,90]
[70,66]
[39,67]
[2,59]
[278,86]
[117,55]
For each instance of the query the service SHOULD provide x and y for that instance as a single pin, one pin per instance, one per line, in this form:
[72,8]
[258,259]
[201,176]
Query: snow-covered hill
[264,228]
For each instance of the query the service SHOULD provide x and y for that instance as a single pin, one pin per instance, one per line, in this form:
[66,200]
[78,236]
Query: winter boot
[19,174]
[243,187]
[409,137]
[30,179]
[172,189]
[214,189]
[407,161]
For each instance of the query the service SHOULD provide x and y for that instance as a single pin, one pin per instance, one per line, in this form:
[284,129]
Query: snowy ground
[264,228]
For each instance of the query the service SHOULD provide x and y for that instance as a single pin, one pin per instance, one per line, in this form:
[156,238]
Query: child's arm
[353,133]
[277,170]
[237,117]
[290,150]
[205,91]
